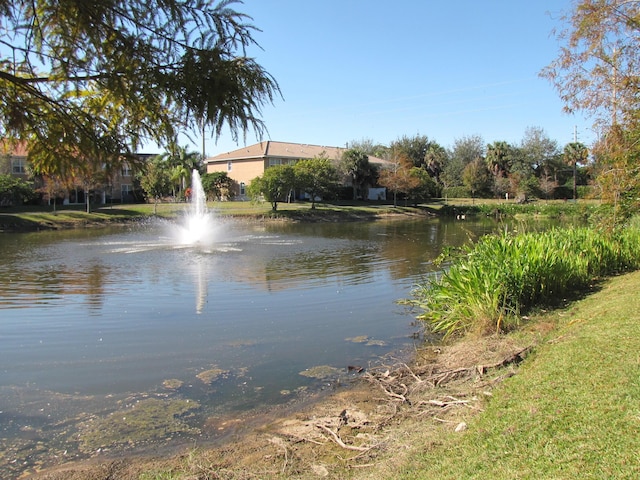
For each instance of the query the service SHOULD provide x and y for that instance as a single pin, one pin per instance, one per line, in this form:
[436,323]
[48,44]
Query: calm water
[91,320]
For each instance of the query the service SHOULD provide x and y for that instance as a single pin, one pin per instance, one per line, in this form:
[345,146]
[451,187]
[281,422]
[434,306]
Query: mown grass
[505,276]
[573,409]
[40,218]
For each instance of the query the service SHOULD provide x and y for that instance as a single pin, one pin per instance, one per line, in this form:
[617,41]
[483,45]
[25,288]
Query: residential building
[14,161]
[246,163]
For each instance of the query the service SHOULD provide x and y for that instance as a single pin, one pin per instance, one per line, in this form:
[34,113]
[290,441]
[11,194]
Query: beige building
[245,164]
[14,161]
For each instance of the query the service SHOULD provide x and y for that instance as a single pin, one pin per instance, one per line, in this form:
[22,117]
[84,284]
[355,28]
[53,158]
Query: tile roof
[16,149]
[282,150]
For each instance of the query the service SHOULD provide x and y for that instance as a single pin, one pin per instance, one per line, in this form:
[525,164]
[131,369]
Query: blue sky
[358,69]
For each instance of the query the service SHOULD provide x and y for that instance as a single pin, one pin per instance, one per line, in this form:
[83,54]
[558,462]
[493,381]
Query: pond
[120,339]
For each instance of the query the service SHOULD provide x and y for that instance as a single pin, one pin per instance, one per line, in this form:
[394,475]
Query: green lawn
[572,411]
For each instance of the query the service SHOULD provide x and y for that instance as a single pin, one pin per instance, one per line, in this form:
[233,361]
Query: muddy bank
[364,431]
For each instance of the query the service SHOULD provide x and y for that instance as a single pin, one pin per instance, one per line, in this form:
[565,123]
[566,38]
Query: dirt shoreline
[361,431]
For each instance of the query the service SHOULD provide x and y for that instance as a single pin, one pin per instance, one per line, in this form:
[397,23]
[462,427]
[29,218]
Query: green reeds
[504,276]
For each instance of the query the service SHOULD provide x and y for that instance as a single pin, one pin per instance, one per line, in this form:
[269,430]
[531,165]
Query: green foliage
[155,179]
[464,151]
[93,80]
[355,165]
[426,187]
[456,192]
[217,184]
[503,276]
[275,185]
[317,177]
[14,191]
[475,177]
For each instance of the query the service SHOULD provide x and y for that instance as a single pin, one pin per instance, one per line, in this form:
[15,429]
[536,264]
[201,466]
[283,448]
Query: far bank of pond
[27,219]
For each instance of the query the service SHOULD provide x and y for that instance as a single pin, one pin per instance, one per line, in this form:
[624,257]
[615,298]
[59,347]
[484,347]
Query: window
[126,171]
[242,189]
[125,190]
[229,166]
[18,165]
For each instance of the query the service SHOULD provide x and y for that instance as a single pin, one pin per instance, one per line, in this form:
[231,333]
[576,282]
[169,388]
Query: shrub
[503,276]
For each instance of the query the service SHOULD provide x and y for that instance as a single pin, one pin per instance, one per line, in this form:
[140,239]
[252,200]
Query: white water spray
[198,227]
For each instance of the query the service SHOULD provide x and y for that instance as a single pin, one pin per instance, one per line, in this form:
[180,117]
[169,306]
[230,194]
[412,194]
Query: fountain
[198,225]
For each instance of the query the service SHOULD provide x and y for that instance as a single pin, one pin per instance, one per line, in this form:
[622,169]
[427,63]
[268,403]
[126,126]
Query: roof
[14,149]
[282,150]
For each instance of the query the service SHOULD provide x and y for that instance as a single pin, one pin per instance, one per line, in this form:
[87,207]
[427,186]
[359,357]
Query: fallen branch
[440,403]
[339,441]
[516,357]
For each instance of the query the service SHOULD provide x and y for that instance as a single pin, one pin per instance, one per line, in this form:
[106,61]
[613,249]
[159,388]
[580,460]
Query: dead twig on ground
[339,441]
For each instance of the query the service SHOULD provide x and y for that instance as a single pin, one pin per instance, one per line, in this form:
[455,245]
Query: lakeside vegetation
[494,282]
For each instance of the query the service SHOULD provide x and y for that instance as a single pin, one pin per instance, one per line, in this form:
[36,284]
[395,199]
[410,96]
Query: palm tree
[181,164]
[574,153]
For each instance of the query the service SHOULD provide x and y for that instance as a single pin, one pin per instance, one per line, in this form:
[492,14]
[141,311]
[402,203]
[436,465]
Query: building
[245,164]
[14,161]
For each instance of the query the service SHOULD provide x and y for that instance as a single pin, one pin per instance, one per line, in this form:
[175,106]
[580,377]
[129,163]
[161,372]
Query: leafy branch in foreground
[92,80]
[504,276]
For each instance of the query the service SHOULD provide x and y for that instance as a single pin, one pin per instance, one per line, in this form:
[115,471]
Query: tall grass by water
[504,276]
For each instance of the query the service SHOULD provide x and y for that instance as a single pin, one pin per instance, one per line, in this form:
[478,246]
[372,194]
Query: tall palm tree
[574,153]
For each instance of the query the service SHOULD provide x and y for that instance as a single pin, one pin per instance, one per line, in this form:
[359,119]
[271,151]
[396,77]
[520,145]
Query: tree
[274,185]
[181,163]
[155,180]
[426,186]
[413,148]
[597,71]
[92,80]
[14,191]
[475,176]
[573,154]
[369,147]
[435,159]
[217,185]
[499,158]
[53,187]
[317,177]
[355,165]
[465,150]
[540,152]
[618,172]
[598,67]
[398,177]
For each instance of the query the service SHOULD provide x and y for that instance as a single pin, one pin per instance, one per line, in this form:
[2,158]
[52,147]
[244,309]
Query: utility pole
[575,164]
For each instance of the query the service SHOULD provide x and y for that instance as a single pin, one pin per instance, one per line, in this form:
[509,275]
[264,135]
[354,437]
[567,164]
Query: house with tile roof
[14,161]
[246,163]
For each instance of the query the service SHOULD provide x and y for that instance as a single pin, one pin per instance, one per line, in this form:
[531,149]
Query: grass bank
[45,218]
[21,219]
[572,411]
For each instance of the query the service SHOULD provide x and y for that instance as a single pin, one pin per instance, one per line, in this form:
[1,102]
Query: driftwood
[338,440]
[394,385]
[430,390]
